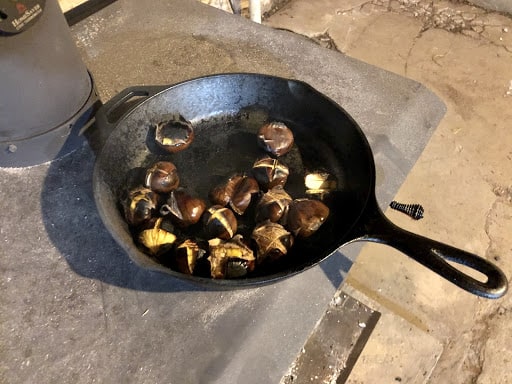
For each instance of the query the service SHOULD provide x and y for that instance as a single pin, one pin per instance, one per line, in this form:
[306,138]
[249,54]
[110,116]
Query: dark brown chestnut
[174,134]
[272,241]
[273,205]
[243,193]
[220,222]
[269,173]
[275,138]
[305,216]
[221,194]
[230,259]
[139,205]
[184,209]
[162,177]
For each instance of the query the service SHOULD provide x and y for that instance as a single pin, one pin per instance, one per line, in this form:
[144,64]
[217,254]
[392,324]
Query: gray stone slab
[75,309]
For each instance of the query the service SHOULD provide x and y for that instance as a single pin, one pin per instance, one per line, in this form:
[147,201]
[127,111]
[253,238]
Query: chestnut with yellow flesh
[230,259]
[186,256]
[157,240]
[139,205]
[174,134]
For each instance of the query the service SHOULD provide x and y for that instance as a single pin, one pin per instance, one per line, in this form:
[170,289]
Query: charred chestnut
[222,194]
[184,209]
[174,134]
[272,241]
[243,193]
[273,205]
[220,222]
[305,216]
[139,205]
[270,173]
[275,138]
[230,259]
[162,177]
[156,240]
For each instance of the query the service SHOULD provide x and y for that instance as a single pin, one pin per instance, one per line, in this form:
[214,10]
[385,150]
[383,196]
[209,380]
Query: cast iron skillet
[226,111]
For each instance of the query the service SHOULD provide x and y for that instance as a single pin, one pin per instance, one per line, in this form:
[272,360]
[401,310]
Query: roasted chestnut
[222,194]
[230,259]
[162,177]
[269,173]
[184,209]
[319,183]
[275,138]
[157,240]
[273,205]
[220,222]
[139,205]
[305,216]
[243,193]
[174,134]
[186,256]
[272,241]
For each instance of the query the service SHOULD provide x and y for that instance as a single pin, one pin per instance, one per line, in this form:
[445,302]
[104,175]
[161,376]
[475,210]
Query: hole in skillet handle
[443,259]
[111,112]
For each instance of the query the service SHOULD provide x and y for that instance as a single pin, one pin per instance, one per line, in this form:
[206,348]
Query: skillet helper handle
[113,110]
[435,256]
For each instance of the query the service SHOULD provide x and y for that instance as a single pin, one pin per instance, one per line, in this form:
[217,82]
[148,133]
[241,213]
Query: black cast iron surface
[76,309]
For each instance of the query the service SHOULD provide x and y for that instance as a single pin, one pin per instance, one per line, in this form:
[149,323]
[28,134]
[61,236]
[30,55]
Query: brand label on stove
[17,16]
[27,16]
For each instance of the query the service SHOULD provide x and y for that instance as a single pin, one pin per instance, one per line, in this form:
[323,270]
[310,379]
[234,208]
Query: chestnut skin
[275,138]
[185,210]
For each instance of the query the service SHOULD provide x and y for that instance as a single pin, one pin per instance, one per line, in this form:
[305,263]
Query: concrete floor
[431,331]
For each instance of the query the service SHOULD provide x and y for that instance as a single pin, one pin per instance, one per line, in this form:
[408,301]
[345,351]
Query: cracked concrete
[463,179]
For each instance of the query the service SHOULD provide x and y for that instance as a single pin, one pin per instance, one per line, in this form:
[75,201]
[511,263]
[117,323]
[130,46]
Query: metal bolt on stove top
[12,148]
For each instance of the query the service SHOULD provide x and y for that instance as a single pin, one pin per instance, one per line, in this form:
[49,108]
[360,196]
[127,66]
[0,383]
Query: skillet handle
[109,114]
[435,256]
[113,110]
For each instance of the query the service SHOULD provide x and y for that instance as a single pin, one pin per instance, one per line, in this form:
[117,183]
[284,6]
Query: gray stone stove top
[75,309]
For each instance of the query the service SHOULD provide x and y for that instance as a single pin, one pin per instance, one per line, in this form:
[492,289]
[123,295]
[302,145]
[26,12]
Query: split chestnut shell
[272,241]
[174,134]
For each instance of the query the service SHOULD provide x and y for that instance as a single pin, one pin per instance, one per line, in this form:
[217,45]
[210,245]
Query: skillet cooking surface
[226,113]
